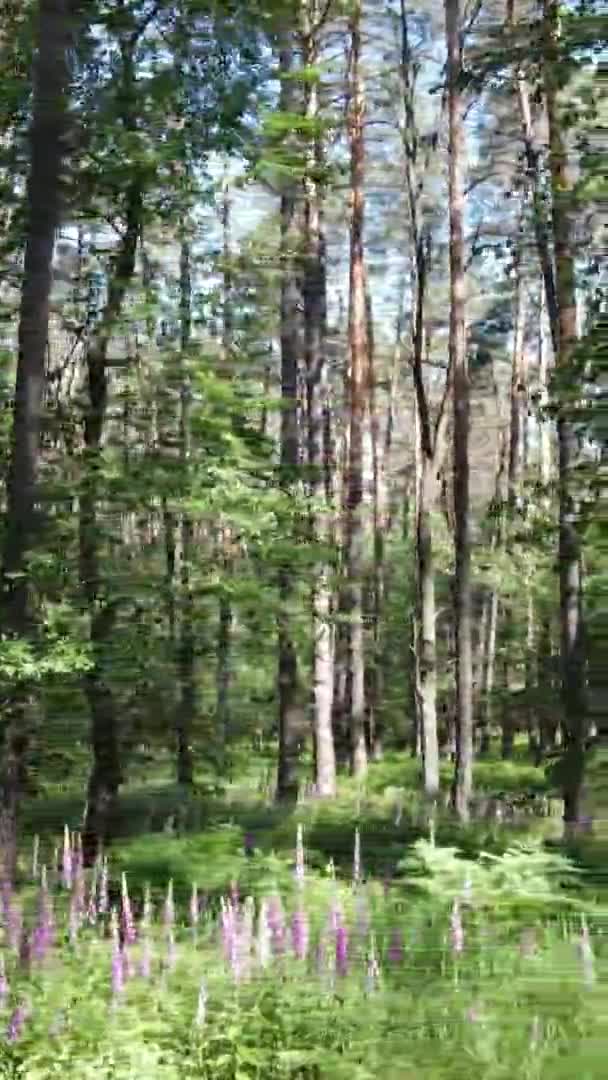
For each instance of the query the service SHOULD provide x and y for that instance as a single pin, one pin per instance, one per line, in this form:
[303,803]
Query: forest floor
[157,819]
[479,952]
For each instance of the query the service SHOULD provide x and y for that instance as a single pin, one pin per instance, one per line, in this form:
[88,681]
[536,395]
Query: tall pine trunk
[289,733]
[43,202]
[565,335]
[315,319]
[463,777]
[358,349]
[106,773]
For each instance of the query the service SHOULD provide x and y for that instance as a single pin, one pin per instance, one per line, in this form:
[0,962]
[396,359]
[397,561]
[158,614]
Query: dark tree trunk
[223,676]
[43,202]
[463,777]
[289,733]
[106,772]
[565,334]
[187,704]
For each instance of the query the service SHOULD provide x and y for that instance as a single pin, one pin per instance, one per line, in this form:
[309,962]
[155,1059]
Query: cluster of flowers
[250,940]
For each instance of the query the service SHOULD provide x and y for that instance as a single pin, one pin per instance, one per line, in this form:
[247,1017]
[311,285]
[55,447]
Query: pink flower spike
[457,929]
[128,925]
[300,867]
[66,865]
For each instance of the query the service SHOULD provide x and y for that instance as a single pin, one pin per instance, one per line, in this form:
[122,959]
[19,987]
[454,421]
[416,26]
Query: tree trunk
[374,670]
[565,333]
[519,403]
[544,433]
[358,348]
[463,777]
[225,619]
[427,648]
[315,319]
[289,734]
[186,706]
[106,773]
[43,201]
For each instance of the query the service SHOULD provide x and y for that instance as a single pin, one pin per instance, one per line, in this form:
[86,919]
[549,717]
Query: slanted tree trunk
[358,350]
[317,387]
[289,713]
[565,334]
[463,777]
[43,202]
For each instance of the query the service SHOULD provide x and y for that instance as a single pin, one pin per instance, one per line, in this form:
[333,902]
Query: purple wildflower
[362,916]
[527,944]
[586,954]
[264,936]
[25,951]
[169,909]
[17,1022]
[395,947]
[44,931]
[4,987]
[372,976]
[145,961]
[201,1006]
[300,868]
[321,955]
[118,966]
[228,928]
[66,865]
[341,950]
[299,933]
[234,894]
[276,922]
[169,923]
[335,917]
[103,903]
[73,920]
[145,964]
[249,844]
[456,929]
[245,931]
[13,919]
[357,859]
[194,909]
[35,854]
[91,903]
[77,899]
[128,925]
[77,853]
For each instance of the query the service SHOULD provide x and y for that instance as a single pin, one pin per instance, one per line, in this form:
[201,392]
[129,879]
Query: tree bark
[565,333]
[289,734]
[225,618]
[463,777]
[186,706]
[358,349]
[315,321]
[43,201]
[106,773]
[519,402]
